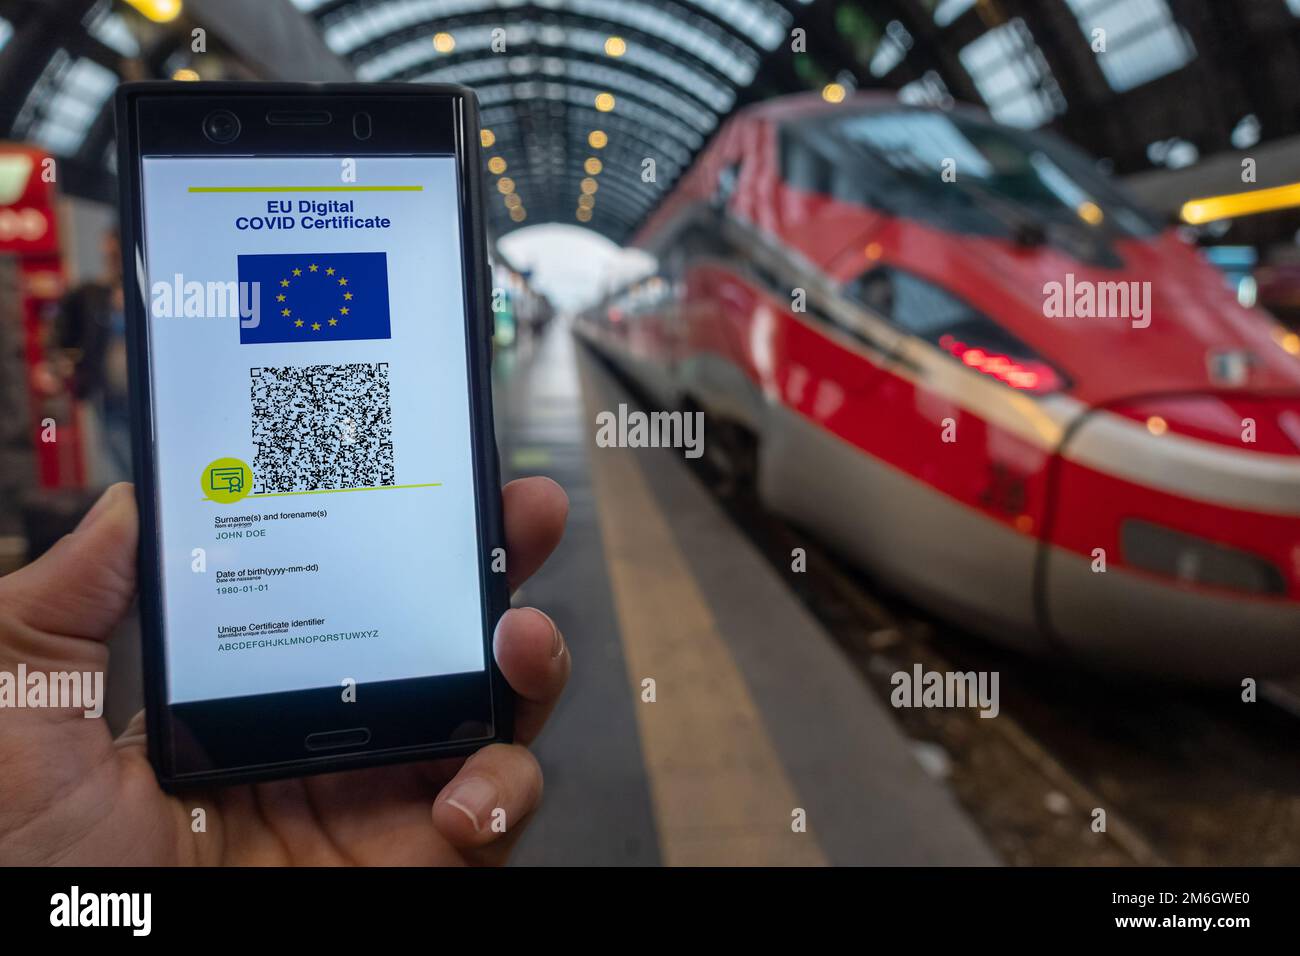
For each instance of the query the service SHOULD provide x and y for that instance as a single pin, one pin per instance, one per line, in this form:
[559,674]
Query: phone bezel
[263,737]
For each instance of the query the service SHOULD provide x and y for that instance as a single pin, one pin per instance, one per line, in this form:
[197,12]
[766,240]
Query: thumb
[83,585]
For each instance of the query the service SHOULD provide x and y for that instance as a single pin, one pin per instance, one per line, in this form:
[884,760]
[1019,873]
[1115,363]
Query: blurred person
[71,794]
[90,331]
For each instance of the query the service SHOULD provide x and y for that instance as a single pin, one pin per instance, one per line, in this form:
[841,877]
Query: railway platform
[709,719]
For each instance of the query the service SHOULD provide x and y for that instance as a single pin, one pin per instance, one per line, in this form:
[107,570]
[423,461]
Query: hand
[69,793]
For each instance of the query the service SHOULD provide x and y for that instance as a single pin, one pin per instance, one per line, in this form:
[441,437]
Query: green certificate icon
[226,480]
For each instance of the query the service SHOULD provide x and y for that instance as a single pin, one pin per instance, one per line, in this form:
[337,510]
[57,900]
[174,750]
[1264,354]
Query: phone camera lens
[221,126]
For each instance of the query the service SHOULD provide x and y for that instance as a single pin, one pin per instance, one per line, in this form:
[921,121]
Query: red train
[964,357]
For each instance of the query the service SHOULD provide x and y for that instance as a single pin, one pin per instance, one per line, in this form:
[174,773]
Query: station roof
[586,94]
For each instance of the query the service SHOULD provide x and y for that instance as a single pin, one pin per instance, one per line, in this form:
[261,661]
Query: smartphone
[309,334]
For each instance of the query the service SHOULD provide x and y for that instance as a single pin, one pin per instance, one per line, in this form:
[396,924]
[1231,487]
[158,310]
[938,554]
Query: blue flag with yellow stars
[316,297]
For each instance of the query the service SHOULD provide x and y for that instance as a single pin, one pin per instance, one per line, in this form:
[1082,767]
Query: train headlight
[930,312]
[1196,560]
[1022,372]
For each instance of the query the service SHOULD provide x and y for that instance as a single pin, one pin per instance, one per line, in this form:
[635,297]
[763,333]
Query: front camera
[221,126]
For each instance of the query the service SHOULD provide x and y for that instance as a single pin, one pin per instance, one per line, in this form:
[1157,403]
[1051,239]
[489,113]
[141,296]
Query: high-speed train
[961,355]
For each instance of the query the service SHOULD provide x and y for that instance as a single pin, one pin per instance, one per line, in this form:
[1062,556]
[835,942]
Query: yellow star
[284,282]
[315,326]
[334,321]
[343,281]
[284,312]
[348,296]
[329,271]
[297,272]
[297,324]
[313,267]
[280,297]
[343,311]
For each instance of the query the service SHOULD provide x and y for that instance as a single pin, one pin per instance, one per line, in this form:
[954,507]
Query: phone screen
[317,516]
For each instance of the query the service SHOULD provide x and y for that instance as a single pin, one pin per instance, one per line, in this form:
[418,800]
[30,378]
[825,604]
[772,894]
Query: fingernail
[97,509]
[557,641]
[476,798]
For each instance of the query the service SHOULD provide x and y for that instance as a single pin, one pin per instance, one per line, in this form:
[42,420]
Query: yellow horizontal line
[337,491]
[1233,205]
[306,189]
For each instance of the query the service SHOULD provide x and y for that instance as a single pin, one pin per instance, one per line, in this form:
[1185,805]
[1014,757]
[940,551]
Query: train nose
[1175,541]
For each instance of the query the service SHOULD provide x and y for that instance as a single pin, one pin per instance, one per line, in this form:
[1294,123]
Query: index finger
[535,511]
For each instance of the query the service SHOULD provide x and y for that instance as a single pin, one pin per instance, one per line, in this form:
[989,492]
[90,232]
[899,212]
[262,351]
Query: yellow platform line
[719,791]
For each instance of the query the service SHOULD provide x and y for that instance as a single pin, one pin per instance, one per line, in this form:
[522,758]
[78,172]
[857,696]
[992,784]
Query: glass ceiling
[581,98]
[1142,40]
[71,92]
[1012,75]
[649,80]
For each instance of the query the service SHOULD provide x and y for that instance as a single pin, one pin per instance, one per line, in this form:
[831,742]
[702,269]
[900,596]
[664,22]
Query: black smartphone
[309,325]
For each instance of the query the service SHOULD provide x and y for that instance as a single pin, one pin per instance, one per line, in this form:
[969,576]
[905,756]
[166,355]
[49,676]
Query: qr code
[321,427]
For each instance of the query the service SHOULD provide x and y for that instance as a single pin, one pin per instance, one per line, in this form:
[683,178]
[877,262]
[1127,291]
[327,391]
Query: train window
[768,279]
[875,290]
[804,167]
[812,161]
[699,241]
[674,263]
[909,302]
[726,185]
[999,177]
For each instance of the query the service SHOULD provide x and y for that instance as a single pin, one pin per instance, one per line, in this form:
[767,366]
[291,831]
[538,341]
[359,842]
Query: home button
[334,739]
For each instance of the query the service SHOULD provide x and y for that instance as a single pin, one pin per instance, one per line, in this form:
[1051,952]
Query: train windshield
[966,173]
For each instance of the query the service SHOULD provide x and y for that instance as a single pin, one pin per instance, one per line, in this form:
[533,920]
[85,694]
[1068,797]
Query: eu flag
[316,297]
